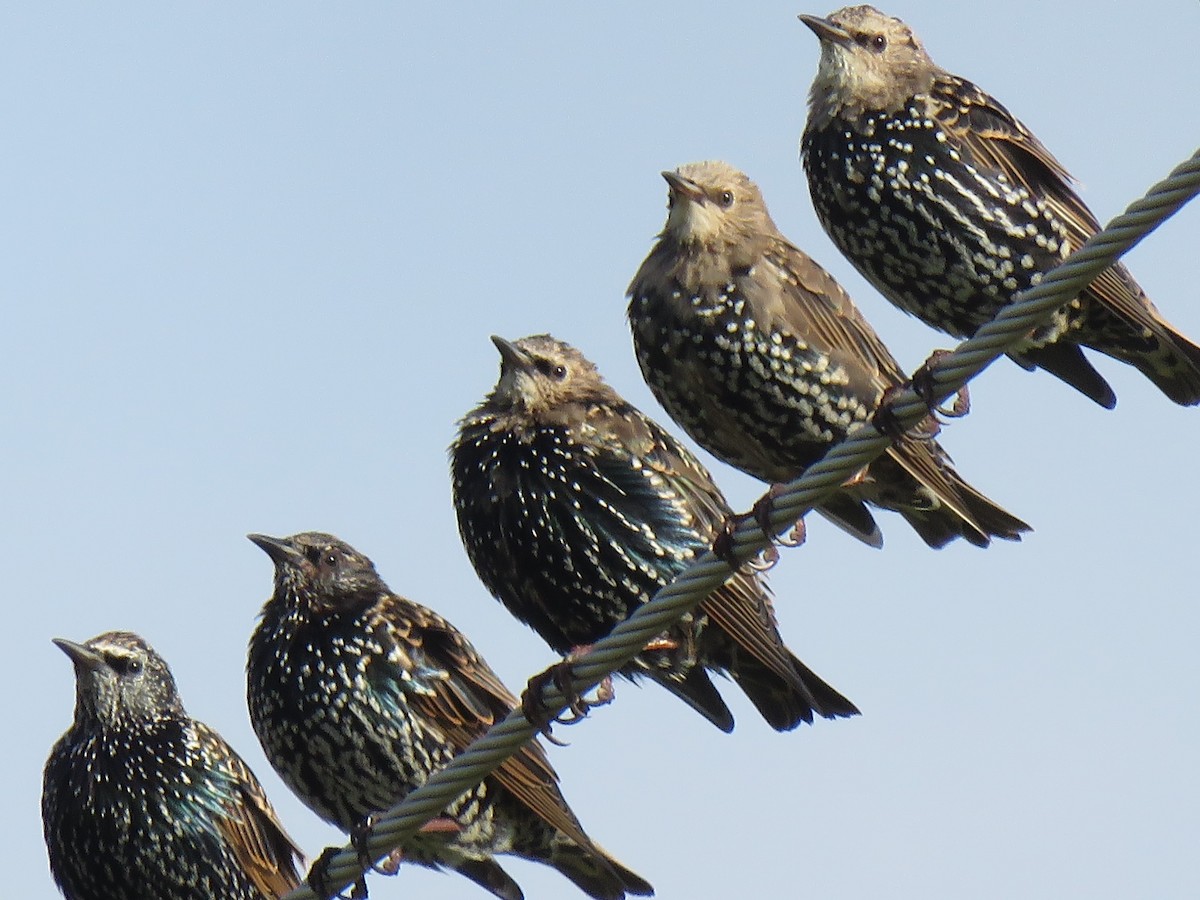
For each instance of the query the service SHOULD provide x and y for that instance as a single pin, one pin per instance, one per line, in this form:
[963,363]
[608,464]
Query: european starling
[575,509]
[950,207]
[358,695]
[762,358]
[140,800]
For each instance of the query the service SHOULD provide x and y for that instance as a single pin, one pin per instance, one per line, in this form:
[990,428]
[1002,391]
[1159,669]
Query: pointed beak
[80,655]
[827,31]
[511,354]
[683,187]
[281,550]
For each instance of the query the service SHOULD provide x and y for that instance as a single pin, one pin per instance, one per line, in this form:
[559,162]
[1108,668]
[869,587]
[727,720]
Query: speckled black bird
[358,695]
[140,800]
[575,509]
[762,358]
[950,207]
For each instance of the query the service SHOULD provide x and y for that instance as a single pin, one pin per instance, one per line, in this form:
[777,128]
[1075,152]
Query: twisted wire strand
[1031,309]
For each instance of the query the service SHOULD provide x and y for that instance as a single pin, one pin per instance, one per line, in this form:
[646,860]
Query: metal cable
[947,375]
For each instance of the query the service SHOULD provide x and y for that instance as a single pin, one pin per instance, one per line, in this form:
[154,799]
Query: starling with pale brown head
[762,358]
[358,695]
[140,800]
[951,207]
[575,509]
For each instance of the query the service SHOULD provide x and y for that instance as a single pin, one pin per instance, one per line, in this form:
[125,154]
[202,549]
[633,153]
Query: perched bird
[950,207]
[575,509]
[358,695]
[140,800]
[762,358]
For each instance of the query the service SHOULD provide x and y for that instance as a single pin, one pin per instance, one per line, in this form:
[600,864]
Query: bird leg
[922,382]
[884,419]
[722,545]
[662,642]
[858,479]
[318,878]
[561,676]
[359,837]
[390,864]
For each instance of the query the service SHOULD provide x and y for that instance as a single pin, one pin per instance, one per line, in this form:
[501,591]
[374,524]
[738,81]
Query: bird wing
[996,139]
[812,306]
[742,606]
[466,699]
[924,461]
[251,828]
[634,449]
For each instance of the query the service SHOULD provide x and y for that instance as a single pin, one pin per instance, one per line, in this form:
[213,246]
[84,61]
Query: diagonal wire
[1032,308]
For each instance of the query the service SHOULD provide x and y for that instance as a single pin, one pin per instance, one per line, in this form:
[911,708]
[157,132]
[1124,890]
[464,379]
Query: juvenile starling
[575,509]
[358,695]
[140,800]
[950,207]
[762,358]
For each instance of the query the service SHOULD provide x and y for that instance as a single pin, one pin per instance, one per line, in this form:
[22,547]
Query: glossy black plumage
[358,695]
[950,206]
[764,360]
[139,800]
[575,508]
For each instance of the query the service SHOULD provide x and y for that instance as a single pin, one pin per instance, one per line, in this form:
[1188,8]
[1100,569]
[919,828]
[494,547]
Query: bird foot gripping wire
[562,677]
[722,545]
[318,877]
[922,383]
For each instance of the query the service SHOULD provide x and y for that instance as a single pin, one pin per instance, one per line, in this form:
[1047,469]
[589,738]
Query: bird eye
[125,665]
[726,198]
[551,370]
[322,556]
[876,43]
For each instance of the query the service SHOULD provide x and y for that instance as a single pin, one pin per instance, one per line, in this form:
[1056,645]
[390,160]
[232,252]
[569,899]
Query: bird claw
[605,692]
[795,537]
[359,837]
[318,877]
[922,383]
[722,545]
[390,864]
[765,561]
[884,418]
[959,408]
[561,676]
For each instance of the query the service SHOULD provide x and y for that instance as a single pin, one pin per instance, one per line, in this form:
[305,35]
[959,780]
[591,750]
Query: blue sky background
[253,254]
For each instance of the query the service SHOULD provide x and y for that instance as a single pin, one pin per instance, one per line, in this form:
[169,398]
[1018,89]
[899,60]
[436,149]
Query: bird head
[317,572]
[120,680]
[714,206]
[869,61]
[540,374]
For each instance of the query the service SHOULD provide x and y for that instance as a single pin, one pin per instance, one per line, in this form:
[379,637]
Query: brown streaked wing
[472,699]
[997,139]
[742,606]
[817,309]
[916,458]
[264,850]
